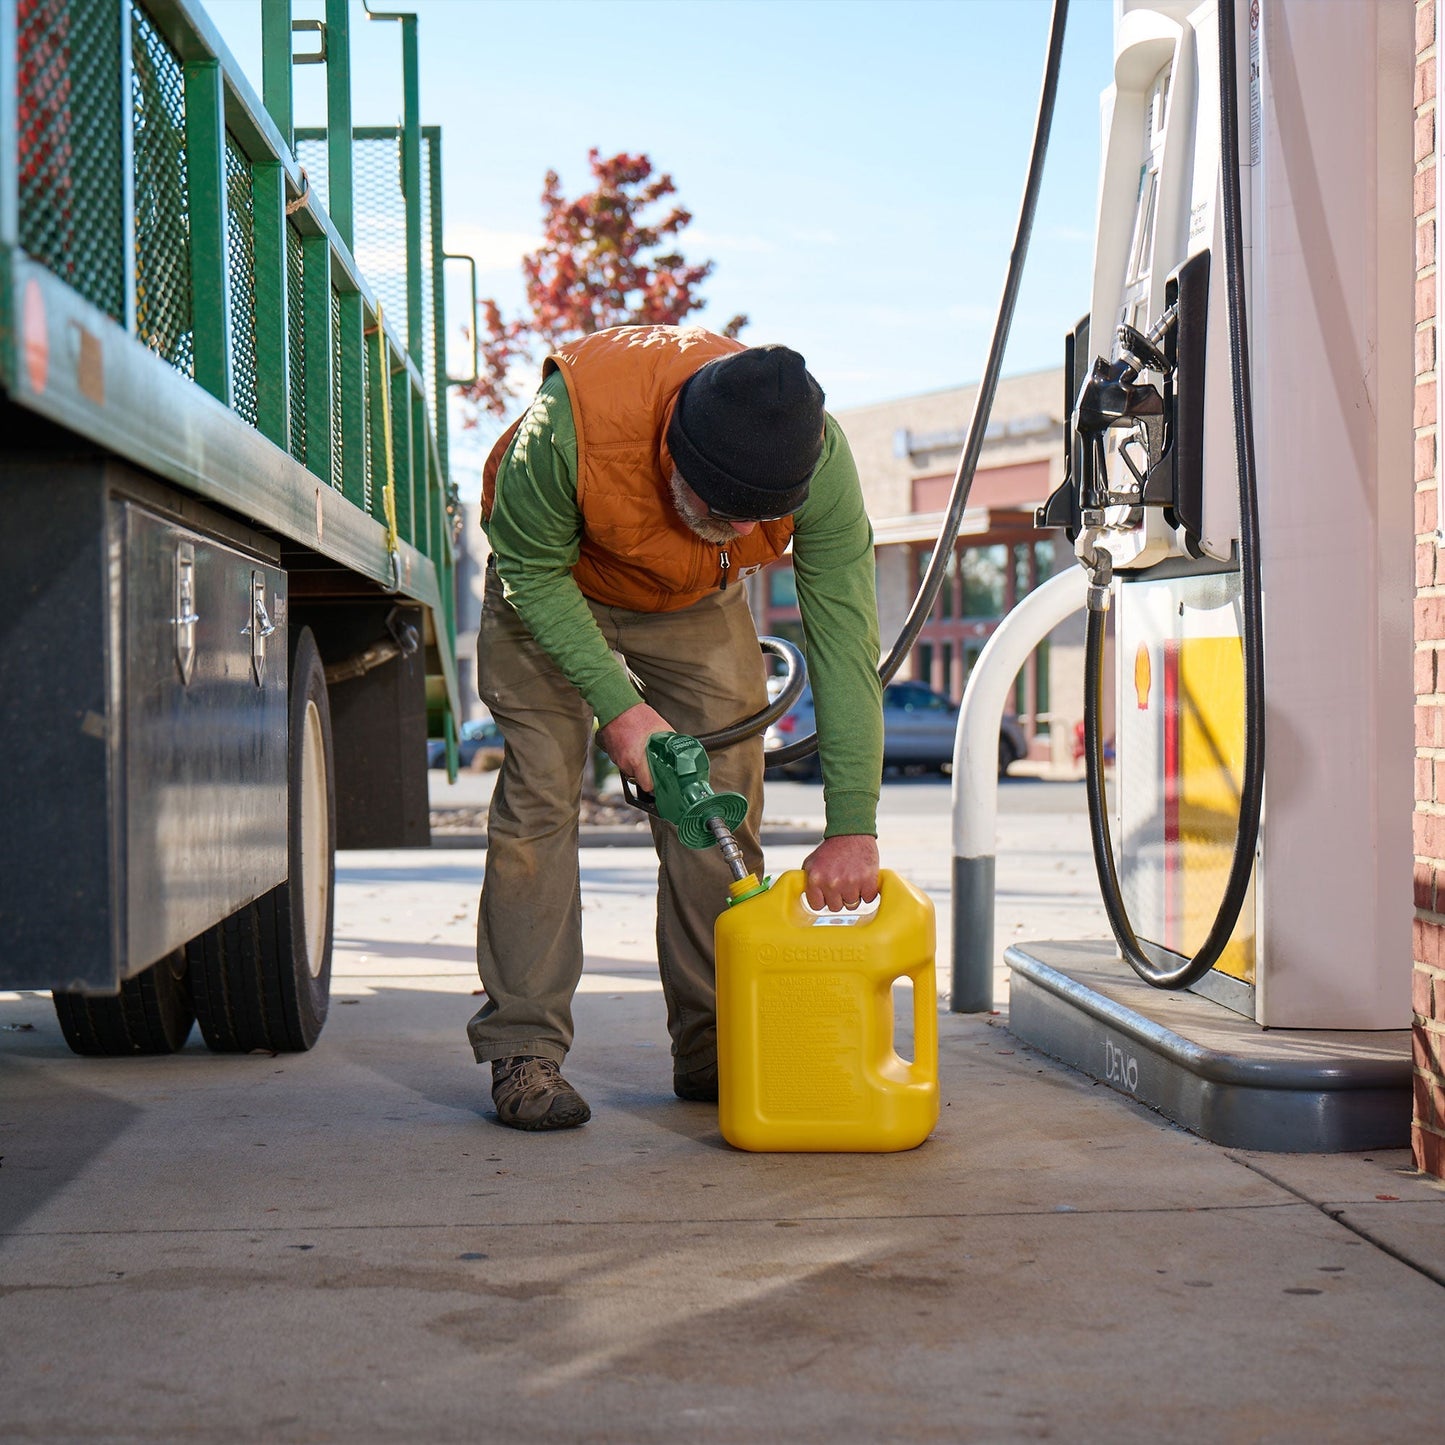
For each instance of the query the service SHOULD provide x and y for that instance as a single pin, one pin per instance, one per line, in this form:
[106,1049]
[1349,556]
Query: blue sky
[854,167]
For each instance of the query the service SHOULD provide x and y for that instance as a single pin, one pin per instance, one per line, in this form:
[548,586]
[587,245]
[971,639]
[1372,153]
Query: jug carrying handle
[793,884]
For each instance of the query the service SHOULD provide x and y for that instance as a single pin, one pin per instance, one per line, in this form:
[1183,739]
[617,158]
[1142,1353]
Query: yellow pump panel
[806,1053]
[1181,750]
[1210,779]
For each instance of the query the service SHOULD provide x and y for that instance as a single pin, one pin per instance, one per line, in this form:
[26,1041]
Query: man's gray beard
[708,528]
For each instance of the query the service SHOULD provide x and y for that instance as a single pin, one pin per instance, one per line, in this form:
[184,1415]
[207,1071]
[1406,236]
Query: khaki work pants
[702,669]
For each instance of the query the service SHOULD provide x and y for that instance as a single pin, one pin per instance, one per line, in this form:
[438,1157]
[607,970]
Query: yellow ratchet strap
[388,492]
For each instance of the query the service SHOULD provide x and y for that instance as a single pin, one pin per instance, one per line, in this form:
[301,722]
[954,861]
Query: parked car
[479,746]
[918,731]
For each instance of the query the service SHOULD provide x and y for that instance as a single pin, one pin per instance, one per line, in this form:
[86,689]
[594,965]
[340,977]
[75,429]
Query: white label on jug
[810,1036]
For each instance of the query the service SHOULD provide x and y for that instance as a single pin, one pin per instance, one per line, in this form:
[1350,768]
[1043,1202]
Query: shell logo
[1143,677]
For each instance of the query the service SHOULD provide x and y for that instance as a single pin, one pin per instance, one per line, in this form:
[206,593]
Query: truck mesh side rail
[69,146]
[146,179]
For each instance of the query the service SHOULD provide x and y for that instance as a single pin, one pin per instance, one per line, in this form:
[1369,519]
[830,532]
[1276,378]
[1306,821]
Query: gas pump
[1238,489]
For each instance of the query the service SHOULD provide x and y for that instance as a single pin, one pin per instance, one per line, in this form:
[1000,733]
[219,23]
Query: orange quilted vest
[636,552]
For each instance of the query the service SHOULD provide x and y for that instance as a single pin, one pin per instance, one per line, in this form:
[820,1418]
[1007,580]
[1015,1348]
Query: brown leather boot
[530,1093]
[698,1086]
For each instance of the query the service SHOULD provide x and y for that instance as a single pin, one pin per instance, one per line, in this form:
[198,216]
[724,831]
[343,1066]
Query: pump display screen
[1134,310]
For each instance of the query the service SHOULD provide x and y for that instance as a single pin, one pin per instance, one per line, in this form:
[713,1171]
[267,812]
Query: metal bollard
[975,780]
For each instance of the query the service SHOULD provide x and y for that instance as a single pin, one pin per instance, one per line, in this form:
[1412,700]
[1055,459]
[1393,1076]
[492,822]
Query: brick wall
[1428,991]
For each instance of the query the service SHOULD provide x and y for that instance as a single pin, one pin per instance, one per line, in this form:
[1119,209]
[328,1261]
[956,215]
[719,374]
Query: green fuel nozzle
[681,795]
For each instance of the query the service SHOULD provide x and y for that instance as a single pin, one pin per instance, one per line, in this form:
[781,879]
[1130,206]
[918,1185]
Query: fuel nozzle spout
[1146,353]
[728,847]
[681,795]
[746,884]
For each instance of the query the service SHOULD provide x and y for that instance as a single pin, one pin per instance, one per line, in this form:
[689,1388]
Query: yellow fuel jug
[806,1053]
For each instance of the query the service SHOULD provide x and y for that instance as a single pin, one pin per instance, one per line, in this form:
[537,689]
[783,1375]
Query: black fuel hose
[795,678]
[1251,798]
[929,588]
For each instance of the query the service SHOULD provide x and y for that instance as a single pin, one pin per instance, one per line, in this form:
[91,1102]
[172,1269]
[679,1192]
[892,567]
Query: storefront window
[970,657]
[1039,663]
[789,632]
[984,570]
[782,588]
[1023,555]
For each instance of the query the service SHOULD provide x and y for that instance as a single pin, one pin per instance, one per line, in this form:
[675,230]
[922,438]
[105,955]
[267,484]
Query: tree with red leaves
[600,264]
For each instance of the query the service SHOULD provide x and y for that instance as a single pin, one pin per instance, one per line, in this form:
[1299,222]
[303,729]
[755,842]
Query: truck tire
[261,978]
[152,1013]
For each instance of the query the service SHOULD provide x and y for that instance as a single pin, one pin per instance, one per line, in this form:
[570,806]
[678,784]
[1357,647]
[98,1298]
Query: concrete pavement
[343,1245]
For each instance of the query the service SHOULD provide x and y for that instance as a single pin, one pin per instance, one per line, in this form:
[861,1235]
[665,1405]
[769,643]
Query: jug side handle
[897,896]
[898,899]
[924,1068]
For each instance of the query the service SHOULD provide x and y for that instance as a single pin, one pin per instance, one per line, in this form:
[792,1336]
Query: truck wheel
[152,1013]
[262,977]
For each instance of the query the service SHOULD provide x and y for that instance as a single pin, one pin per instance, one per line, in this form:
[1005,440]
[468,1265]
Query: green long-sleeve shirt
[535,533]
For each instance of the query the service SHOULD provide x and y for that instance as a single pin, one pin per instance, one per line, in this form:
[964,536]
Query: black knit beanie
[747,432]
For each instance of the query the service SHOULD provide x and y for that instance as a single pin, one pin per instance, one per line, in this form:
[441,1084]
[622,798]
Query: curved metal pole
[975,779]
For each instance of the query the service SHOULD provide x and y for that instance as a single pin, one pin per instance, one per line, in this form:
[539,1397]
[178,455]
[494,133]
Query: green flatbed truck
[227,624]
